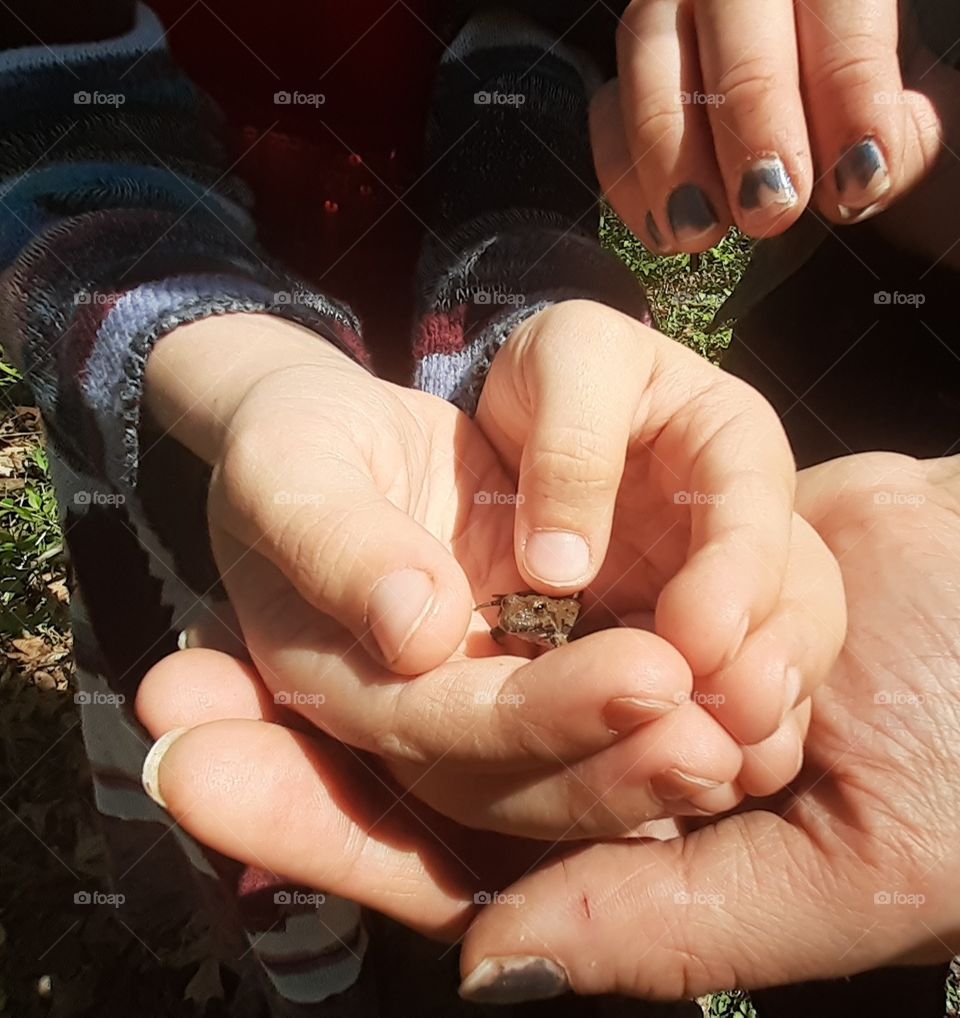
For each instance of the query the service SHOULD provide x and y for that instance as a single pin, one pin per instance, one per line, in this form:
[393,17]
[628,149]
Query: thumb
[750,901]
[352,554]
[562,395]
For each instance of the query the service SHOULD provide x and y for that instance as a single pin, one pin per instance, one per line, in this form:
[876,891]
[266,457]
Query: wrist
[198,374]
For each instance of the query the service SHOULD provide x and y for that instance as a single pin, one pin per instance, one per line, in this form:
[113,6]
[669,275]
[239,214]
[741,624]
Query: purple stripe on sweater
[112,379]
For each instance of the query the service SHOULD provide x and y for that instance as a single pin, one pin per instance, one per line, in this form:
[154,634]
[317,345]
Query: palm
[466,501]
[878,775]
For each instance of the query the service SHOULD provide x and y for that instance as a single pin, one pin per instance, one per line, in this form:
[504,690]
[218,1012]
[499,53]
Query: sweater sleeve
[120,220]
[513,216]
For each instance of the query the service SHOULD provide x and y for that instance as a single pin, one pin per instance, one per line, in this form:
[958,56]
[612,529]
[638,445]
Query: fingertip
[193,686]
[709,631]
[417,619]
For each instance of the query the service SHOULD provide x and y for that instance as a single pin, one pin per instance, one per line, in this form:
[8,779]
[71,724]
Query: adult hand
[744,110]
[857,865]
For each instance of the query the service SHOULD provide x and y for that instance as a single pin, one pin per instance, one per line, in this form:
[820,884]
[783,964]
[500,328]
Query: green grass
[55,959]
[684,298]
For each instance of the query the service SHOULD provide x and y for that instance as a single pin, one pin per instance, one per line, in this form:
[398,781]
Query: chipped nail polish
[690,213]
[767,183]
[514,980]
[862,176]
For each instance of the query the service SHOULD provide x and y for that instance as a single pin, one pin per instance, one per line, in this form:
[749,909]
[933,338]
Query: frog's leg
[557,639]
[498,635]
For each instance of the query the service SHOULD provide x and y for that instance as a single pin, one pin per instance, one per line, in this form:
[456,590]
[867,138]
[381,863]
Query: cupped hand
[665,487]
[341,504]
[744,111]
[857,865]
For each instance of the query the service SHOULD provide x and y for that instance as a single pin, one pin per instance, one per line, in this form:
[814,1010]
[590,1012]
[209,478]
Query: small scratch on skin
[586,906]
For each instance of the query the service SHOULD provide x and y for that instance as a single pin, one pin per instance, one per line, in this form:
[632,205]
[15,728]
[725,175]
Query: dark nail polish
[767,183]
[690,212]
[654,231]
[862,175]
[514,980]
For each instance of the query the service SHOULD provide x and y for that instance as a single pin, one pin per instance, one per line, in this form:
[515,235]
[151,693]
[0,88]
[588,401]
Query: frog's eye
[539,606]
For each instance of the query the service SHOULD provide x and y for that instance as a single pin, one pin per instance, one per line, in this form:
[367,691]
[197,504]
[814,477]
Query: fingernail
[654,231]
[624,713]
[767,184]
[862,177]
[397,606]
[743,627]
[677,784]
[691,214]
[150,775]
[514,980]
[792,680]
[557,557]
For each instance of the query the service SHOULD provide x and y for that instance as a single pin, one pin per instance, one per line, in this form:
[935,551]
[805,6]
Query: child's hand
[326,480]
[665,487]
[740,110]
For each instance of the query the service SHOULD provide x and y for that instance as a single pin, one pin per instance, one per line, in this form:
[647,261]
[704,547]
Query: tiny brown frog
[536,618]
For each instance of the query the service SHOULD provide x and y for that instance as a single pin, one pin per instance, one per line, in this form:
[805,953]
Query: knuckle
[578,457]
[747,84]
[848,68]
[656,121]
[314,544]
[247,459]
